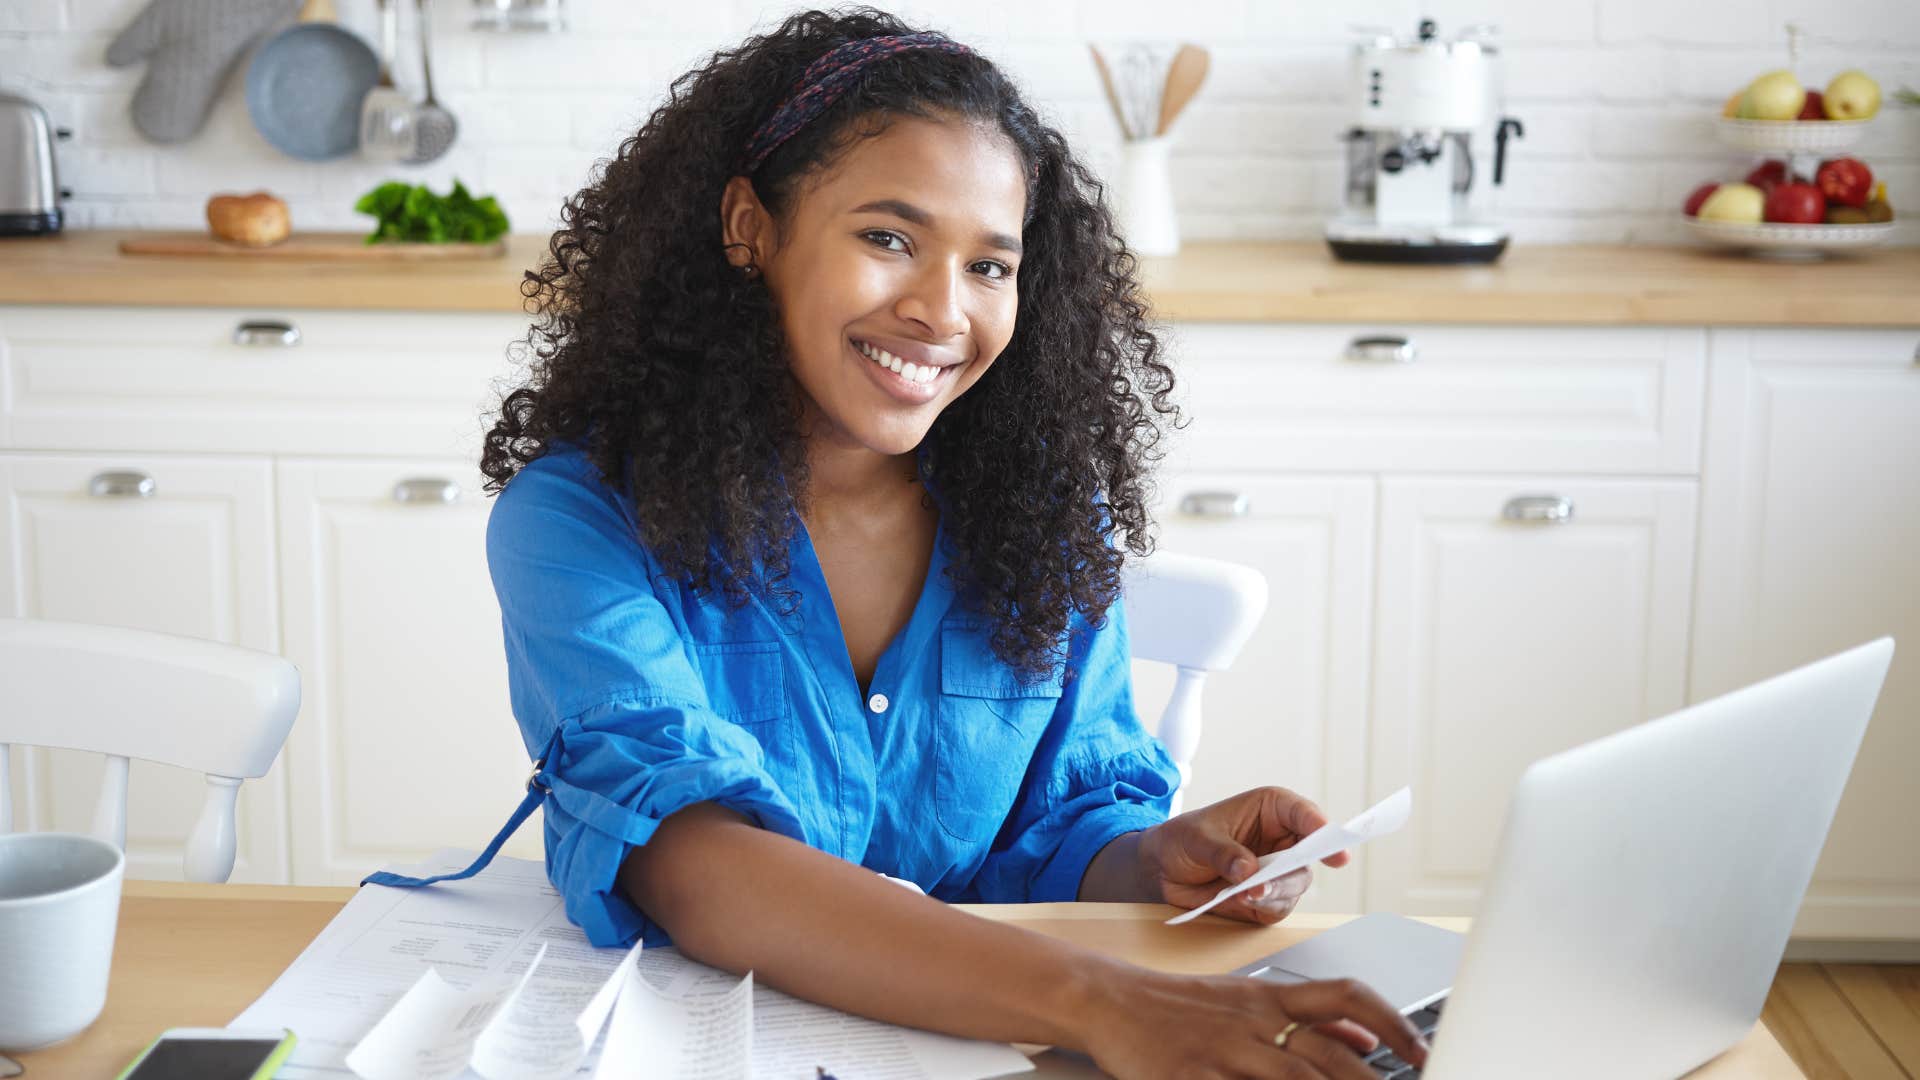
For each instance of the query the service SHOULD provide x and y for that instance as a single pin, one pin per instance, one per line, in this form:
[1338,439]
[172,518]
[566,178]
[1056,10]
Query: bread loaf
[257,220]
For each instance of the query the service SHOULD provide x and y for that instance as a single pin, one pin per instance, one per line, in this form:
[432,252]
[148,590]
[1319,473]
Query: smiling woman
[686,356]
[812,513]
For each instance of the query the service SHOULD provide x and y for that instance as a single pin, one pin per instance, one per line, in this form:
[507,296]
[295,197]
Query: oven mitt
[189,46]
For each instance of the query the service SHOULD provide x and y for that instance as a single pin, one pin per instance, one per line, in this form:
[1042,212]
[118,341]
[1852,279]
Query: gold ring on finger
[1280,1040]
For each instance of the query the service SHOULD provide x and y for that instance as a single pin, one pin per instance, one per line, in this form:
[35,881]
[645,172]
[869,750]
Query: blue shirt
[645,699]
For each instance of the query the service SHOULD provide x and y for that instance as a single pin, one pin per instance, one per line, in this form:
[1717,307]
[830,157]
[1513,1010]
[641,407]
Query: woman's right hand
[1155,1026]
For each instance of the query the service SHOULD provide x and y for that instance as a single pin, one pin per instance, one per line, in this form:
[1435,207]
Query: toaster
[30,191]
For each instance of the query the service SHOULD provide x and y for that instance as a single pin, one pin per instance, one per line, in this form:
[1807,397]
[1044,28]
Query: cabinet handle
[1541,509]
[121,484]
[1214,504]
[1388,349]
[426,489]
[266,332]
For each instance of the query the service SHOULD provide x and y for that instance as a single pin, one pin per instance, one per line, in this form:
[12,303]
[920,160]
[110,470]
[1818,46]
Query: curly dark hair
[667,366]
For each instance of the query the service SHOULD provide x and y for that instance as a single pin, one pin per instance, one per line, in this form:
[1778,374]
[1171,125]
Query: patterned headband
[823,83]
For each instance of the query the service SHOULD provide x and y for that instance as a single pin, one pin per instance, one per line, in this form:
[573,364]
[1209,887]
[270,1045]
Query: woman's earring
[752,269]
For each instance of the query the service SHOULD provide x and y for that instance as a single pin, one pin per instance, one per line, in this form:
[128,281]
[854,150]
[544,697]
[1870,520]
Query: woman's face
[901,256]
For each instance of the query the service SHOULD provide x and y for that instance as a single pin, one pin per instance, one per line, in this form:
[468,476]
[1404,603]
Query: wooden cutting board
[312,245]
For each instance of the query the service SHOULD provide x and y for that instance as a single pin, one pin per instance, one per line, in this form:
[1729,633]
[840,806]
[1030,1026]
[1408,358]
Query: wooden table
[196,955]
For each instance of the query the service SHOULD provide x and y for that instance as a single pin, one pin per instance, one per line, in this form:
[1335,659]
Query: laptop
[1642,896]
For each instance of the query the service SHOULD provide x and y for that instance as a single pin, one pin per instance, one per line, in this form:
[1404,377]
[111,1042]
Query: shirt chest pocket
[746,684]
[984,734]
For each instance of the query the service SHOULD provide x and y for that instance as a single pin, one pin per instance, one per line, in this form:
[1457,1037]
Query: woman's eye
[893,241]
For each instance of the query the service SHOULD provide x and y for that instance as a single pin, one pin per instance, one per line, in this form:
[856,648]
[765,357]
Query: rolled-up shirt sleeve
[1097,775]
[603,686]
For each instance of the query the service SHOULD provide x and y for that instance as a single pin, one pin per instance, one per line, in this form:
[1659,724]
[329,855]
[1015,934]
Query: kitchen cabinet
[405,741]
[1292,709]
[1810,543]
[274,442]
[178,545]
[1373,399]
[231,380]
[1449,645]
[1518,617]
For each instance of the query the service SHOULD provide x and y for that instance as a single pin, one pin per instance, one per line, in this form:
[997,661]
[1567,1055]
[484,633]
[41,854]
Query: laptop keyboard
[1387,1064]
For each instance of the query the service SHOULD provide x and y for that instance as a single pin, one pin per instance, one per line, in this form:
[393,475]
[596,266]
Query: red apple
[1846,181]
[1769,174]
[1796,204]
[1815,108]
[1692,209]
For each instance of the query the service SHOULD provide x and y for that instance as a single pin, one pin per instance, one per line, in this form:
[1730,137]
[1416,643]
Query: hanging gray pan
[305,85]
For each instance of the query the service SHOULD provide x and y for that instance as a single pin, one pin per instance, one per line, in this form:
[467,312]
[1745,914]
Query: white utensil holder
[1143,197]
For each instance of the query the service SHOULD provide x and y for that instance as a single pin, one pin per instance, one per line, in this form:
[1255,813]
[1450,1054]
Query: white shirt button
[878,703]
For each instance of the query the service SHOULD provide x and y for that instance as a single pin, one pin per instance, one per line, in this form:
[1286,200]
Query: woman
[808,544]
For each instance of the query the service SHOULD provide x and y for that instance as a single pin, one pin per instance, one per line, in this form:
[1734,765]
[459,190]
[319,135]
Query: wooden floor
[1848,1021]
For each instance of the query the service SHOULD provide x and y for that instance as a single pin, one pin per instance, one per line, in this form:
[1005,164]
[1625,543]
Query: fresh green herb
[411,213]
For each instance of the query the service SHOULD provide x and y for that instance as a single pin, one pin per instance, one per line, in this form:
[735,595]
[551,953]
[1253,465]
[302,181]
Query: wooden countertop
[1213,281]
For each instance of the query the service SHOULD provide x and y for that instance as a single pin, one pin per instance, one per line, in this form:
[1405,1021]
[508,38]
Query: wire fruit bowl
[1784,241]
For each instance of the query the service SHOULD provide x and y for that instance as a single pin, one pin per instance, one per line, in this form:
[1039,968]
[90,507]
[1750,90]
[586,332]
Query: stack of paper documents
[487,978]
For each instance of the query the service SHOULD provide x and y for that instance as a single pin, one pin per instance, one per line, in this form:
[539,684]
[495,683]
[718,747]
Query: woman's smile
[904,380]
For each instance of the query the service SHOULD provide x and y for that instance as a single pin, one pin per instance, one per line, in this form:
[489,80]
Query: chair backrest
[1196,614]
[216,709]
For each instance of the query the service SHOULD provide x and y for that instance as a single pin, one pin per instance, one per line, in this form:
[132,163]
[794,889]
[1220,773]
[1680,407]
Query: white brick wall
[1618,97]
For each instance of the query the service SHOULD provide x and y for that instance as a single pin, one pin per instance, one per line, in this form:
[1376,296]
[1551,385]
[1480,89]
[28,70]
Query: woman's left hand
[1191,857]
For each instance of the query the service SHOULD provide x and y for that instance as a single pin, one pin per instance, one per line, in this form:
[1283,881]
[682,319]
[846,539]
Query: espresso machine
[1422,107]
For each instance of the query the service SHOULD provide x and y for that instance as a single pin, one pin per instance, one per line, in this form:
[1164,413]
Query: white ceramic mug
[59,906]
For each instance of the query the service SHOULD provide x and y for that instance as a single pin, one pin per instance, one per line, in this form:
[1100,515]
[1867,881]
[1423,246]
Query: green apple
[1777,95]
[1852,96]
[1734,202]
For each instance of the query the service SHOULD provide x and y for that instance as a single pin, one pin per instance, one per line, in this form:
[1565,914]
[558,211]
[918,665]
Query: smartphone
[211,1054]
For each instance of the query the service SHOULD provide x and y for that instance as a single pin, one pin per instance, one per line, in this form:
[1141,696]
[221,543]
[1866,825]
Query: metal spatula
[386,114]
[433,126]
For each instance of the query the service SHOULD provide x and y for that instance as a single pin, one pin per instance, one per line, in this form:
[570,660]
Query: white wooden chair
[201,705]
[1196,614]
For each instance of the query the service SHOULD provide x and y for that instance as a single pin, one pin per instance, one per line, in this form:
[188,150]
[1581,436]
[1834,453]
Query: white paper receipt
[1383,817]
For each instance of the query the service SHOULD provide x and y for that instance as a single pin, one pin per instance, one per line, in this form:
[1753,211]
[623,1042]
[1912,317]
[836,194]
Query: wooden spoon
[1113,96]
[1189,70]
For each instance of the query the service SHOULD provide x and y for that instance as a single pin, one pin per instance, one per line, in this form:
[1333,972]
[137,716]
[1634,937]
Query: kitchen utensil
[349,246]
[519,15]
[1113,95]
[434,127]
[1783,241]
[30,190]
[1422,109]
[306,83]
[386,114]
[1142,189]
[1188,71]
[1136,64]
[190,46]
